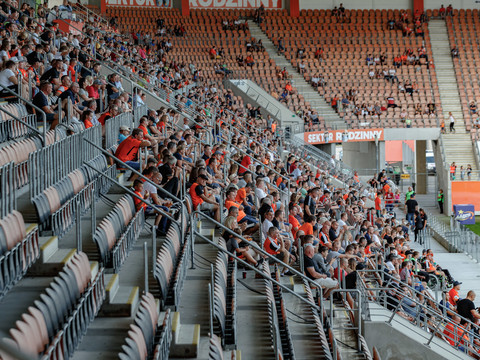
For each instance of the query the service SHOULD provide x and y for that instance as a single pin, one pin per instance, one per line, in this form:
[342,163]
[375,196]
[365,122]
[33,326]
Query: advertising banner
[464,214]
[235,4]
[466,192]
[139,3]
[338,136]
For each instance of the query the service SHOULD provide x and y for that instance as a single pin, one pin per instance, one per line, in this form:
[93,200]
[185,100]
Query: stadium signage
[338,136]
[130,2]
[234,4]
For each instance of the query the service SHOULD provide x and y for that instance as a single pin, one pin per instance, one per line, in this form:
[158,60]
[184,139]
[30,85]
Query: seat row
[10,128]
[224,301]
[276,302]
[140,343]
[54,325]
[216,350]
[56,206]
[170,267]
[118,231]
[314,314]
[19,249]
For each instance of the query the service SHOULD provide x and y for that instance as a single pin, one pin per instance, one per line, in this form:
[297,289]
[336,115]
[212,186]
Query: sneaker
[287,273]
[259,262]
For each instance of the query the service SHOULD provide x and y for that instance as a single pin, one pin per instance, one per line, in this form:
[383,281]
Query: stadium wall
[357,4]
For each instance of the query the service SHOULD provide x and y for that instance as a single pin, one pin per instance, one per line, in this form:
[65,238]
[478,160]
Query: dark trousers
[440,205]
[172,186]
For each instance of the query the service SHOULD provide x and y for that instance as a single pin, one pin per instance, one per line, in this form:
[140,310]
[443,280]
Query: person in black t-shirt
[466,307]
[411,206]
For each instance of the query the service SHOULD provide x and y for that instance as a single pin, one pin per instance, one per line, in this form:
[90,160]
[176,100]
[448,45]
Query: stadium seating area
[462,36]
[341,60]
[205,158]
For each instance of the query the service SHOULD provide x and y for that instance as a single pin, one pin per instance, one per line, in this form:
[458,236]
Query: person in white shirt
[260,189]
[452,122]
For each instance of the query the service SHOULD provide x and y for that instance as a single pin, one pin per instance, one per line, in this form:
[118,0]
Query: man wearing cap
[453,293]
[203,200]
[123,133]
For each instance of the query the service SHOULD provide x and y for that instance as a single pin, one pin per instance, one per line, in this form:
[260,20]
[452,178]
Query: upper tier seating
[344,66]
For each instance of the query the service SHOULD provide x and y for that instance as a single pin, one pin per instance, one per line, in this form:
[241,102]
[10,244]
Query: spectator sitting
[123,133]
[249,60]
[128,149]
[473,107]
[41,101]
[454,52]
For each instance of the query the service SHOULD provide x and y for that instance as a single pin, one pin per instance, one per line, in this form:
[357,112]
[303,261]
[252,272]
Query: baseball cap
[455,283]
[124,128]
[203,176]
[97,82]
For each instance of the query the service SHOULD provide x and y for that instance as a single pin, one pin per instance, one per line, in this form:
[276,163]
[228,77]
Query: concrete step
[52,259]
[120,301]
[185,339]
[317,102]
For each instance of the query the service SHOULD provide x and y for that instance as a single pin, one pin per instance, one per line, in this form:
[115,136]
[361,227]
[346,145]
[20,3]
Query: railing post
[93,211]
[145,256]
[78,217]
[154,248]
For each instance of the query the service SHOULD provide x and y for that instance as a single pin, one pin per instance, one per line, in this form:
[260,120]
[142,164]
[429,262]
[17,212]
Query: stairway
[318,103]
[457,146]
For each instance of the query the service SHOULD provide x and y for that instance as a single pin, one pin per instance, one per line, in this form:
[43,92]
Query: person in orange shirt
[138,189]
[307,226]
[378,204]
[86,118]
[242,198]
[292,212]
[128,149]
[453,293]
[289,88]
[252,223]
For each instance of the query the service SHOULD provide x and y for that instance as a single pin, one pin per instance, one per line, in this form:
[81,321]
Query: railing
[112,127]
[8,199]
[462,239]
[127,239]
[464,175]
[423,316]
[310,153]
[258,98]
[52,163]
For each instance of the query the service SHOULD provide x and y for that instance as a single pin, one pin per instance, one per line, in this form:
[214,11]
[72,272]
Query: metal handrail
[263,252]
[419,308]
[35,107]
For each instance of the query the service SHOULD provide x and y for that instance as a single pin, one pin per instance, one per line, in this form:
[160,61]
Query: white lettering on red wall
[338,136]
[235,4]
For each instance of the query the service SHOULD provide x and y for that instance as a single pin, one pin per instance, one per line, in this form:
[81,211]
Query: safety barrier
[8,197]
[164,338]
[47,166]
[10,128]
[127,239]
[112,128]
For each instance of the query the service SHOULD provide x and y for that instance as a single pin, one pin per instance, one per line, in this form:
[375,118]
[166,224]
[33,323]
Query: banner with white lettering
[140,3]
[235,4]
[338,136]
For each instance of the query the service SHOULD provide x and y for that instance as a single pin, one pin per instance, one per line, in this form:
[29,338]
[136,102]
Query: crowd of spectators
[228,161]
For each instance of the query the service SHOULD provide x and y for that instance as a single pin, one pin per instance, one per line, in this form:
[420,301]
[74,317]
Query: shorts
[327,283]
[206,206]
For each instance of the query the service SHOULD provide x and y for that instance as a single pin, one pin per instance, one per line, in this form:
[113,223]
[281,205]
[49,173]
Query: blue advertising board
[464,213]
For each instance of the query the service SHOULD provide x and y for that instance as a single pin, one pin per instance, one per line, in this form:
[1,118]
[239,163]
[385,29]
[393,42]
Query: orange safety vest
[452,169]
[196,200]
